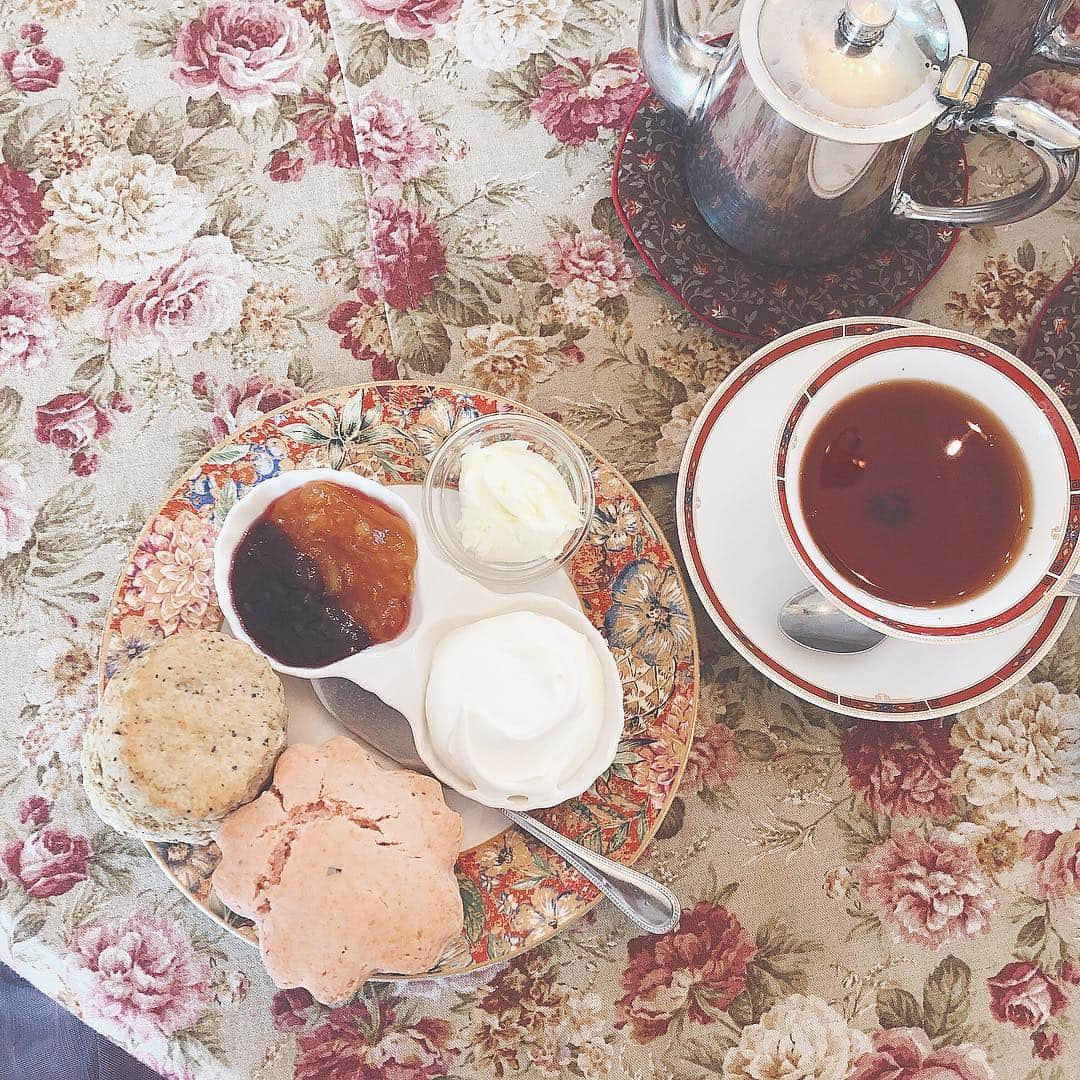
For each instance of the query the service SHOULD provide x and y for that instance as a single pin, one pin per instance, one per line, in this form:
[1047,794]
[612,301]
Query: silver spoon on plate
[648,904]
[814,621]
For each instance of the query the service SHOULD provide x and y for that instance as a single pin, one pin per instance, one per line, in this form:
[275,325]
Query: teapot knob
[863,22]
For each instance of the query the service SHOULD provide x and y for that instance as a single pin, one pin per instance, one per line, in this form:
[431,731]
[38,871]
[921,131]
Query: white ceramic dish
[1031,412]
[442,505]
[443,599]
[743,571]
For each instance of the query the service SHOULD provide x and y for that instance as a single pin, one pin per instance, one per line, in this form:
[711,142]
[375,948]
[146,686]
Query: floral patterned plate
[755,301]
[516,893]
[1053,347]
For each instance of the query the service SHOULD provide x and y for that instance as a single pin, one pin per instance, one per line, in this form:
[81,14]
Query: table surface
[182,244]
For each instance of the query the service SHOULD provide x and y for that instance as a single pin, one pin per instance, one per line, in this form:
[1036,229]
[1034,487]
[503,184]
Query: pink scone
[347,869]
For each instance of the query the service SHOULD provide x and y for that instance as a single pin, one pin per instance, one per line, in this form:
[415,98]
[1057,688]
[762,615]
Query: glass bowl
[441,508]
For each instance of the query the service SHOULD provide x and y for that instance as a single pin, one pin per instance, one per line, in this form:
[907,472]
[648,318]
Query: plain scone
[346,867]
[183,737]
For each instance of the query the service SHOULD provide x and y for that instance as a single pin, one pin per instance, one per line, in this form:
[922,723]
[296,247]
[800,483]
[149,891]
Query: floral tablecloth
[190,233]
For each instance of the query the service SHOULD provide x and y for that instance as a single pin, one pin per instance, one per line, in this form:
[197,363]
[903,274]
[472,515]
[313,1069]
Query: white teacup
[1036,419]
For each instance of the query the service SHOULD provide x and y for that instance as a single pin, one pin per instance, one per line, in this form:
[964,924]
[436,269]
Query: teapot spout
[674,62]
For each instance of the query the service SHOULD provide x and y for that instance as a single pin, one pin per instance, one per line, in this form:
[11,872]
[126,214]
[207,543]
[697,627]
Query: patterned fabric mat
[1053,348]
[755,301]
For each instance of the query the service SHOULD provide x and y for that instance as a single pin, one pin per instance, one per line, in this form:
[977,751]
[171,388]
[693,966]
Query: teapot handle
[1060,47]
[1054,142]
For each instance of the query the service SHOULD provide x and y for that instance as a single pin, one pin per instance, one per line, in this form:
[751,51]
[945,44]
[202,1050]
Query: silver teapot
[799,134]
[1007,33]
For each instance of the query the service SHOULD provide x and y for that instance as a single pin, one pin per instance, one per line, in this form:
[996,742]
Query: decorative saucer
[1053,346]
[756,301]
[743,571]
[516,893]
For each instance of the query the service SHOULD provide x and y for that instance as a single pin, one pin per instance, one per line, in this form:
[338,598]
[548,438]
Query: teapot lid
[859,71]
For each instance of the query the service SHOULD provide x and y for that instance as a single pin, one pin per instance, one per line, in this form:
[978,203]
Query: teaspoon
[814,621]
[651,906]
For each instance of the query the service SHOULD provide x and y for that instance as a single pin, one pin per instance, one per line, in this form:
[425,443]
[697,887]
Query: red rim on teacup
[1046,432]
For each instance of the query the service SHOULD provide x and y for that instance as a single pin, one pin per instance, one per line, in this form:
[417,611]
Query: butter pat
[515,706]
[515,505]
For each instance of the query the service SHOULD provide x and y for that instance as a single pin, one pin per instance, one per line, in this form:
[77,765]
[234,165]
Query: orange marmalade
[325,572]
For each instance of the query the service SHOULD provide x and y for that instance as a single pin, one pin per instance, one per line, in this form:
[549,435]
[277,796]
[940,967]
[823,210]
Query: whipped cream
[515,706]
[515,505]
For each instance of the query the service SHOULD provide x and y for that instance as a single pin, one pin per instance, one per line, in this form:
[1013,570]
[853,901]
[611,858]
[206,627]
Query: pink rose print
[349,319]
[16,512]
[1038,845]
[420,1052]
[202,384]
[1023,994]
[1057,865]
[289,1008]
[21,216]
[346,1048]
[119,402]
[409,19]
[907,1054]
[248,51]
[49,863]
[287,165]
[927,891]
[28,331]
[901,769]
[235,406]
[178,306]
[32,33]
[574,356]
[1047,1045]
[174,569]
[1059,91]
[657,771]
[70,421]
[592,257]
[384,367]
[393,145]
[578,99]
[85,464]
[327,129]
[406,256]
[703,960]
[323,121]
[35,810]
[33,69]
[713,760]
[141,974]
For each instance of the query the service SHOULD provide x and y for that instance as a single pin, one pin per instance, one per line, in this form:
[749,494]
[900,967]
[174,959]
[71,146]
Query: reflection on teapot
[800,133]
[1006,33]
